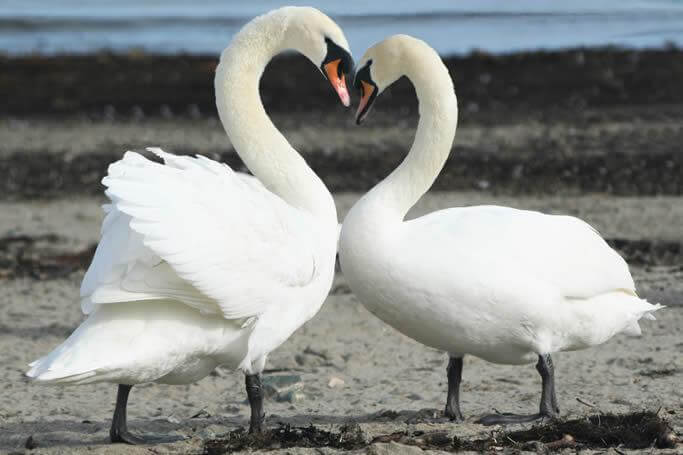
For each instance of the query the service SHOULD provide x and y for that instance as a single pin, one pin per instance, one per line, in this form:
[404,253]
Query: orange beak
[338,83]
[362,111]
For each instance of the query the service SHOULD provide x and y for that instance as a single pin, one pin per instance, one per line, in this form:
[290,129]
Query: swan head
[385,63]
[321,40]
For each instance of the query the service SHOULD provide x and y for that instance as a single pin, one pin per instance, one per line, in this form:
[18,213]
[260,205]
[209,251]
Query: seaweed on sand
[630,431]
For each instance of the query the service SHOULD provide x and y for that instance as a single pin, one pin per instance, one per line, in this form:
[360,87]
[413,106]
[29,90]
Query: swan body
[193,231]
[199,266]
[486,281]
[509,286]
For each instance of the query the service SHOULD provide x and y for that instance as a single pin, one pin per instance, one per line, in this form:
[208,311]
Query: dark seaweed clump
[630,431]
[638,430]
[34,257]
[286,436]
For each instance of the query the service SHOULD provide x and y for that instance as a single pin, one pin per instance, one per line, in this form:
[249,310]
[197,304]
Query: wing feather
[563,251]
[195,230]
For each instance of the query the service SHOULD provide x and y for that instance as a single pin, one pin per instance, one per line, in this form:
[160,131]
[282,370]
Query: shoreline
[579,121]
[162,85]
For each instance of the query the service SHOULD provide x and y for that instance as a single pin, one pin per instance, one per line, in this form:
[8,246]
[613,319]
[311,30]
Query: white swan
[199,266]
[508,286]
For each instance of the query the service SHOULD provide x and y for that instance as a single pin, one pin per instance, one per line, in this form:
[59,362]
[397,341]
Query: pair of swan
[199,266]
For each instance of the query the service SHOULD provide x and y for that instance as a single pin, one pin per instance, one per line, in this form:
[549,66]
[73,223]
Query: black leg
[119,427]
[255,395]
[454,372]
[548,407]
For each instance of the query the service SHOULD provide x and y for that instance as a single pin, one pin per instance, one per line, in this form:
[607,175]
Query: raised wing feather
[194,230]
[563,251]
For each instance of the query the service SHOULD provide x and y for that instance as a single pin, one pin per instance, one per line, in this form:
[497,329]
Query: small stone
[207,433]
[293,396]
[668,440]
[30,444]
[211,432]
[335,382]
[277,387]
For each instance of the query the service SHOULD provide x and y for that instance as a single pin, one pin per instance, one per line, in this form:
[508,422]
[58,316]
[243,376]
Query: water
[171,26]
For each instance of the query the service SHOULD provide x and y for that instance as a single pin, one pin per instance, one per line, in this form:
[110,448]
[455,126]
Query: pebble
[335,382]
[293,396]
[278,387]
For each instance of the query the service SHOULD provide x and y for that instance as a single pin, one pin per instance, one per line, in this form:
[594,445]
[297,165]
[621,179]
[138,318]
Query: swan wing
[217,240]
[562,251]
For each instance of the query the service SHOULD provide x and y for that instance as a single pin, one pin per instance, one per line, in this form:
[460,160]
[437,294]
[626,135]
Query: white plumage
[198,265]
[509,286]
[195,232]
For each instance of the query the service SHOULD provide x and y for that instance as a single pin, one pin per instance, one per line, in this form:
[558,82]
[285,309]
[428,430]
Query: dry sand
[381,370]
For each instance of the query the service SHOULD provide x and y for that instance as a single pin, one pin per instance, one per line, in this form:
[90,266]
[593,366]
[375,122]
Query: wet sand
[596,134]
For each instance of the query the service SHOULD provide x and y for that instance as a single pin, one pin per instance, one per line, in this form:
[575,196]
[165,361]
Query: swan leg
[119,425]
[548,408]
[454,372]
[255,395]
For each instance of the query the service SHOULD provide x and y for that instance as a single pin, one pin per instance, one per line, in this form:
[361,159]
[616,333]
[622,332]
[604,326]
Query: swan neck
[264,150]
[438,111]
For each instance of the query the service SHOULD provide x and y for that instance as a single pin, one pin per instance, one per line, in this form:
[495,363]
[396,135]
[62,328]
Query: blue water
[170,26]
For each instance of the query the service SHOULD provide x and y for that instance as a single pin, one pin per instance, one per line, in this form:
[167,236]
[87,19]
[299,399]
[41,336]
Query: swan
[199,266]
[505,285]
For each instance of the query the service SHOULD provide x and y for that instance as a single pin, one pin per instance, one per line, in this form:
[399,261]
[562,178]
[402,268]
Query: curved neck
[438,109]
[264,150]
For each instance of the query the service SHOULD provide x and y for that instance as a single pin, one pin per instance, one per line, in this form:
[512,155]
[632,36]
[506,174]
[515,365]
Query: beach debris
[201,414]
[660,372]
[281,387]
[567,440]
[586,403]
[293,396]
[335,382]
[322,354]
[40,257]
[600,431]
[30,443]
[349,437]
[320,358]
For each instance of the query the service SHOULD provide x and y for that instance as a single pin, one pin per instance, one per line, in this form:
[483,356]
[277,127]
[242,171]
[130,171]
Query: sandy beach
[382,371]
[606,148]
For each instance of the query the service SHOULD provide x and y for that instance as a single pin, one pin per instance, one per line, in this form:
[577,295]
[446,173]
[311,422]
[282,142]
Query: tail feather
[633,328]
